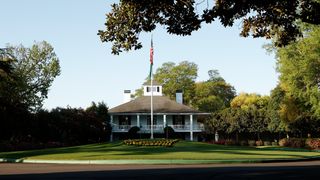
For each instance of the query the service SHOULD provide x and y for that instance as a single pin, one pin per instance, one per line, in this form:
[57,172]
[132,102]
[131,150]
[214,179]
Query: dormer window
[156,87]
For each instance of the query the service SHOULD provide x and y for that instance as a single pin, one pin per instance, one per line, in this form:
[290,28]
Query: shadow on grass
[117,150]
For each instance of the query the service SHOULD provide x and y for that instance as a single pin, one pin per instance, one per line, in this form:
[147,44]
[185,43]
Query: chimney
[126,96]
[179,97]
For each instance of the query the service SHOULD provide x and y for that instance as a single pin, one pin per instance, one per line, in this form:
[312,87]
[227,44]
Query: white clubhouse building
[166,112]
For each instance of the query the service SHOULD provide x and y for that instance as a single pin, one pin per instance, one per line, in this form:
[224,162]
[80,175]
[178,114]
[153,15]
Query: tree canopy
[175,77]
[299,68]
[30,72]
[214,94]
[269,19]
[6,64]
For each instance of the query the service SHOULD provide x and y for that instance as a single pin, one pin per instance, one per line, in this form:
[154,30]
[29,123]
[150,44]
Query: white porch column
[111,123]
[191,127]
[138,121]
[164,120]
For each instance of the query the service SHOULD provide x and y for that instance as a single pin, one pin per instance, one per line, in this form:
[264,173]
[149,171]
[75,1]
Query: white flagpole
[151,77]
[151,129]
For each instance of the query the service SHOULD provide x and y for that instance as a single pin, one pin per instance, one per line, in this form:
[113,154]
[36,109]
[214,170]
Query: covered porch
[179,122]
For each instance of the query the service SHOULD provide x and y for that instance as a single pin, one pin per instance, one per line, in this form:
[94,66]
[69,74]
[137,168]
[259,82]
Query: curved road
[261,171]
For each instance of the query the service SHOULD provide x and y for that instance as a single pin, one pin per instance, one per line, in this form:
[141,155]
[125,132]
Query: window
[155,89]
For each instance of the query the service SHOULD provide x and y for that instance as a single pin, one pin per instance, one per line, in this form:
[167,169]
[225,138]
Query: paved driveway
[261,171]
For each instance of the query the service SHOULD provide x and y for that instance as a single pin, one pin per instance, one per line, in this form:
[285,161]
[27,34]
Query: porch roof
[161,105]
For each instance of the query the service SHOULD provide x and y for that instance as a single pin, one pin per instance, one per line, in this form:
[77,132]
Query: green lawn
[182,150]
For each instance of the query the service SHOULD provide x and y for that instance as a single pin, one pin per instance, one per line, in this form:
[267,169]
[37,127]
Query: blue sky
[89,72]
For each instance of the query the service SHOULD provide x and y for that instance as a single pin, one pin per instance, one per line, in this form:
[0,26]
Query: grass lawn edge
[155,161]
[118,153]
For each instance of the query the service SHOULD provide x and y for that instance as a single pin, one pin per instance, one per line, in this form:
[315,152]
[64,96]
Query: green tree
[245,100]
[214,94]
[214,76]
[216,122]
[35,69]
[138,92]
[178,77]
[275,124]
[237,120]
[100,110]
[255,108]
[257,122]
[229,120]
[6,64]
[270,19]
[298,65]
[7,78]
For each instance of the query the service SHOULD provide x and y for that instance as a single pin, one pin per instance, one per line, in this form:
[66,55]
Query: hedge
[300,143]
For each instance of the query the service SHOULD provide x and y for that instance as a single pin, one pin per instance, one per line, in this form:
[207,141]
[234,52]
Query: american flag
[151,58]
[151,52]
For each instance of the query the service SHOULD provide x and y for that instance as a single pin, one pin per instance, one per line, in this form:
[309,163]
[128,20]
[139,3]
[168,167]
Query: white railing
[125,128]
[180,127]
[148,127]
[187,127]
[122,127]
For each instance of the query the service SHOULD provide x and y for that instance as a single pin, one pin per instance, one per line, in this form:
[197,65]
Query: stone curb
[159,161]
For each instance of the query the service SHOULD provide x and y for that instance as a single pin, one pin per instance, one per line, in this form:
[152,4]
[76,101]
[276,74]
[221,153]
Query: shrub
[259,143]
[230,142]
[169,132]
[292,142]
[133,132]
[313,143]
[274,143]
[297,142]
[267,143]
[252,143]
[220,142]
[308,142]
[244,143]
[284,142]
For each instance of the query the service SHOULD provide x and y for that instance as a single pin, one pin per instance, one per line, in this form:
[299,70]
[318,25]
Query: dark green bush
[133,132]
[297,142]
[169,132]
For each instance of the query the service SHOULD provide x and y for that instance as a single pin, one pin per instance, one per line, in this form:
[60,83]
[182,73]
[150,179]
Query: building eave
[162,113]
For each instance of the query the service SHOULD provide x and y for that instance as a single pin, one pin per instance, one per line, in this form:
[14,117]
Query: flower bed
[156,142]
[292,142]
[313,143]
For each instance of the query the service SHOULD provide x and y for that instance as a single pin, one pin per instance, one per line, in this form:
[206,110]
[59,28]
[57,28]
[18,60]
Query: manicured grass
[182,150]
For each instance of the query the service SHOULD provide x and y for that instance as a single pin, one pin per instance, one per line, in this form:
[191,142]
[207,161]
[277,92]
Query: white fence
[157,128]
